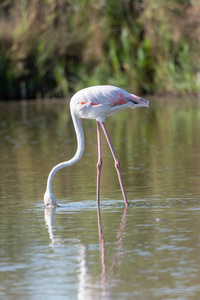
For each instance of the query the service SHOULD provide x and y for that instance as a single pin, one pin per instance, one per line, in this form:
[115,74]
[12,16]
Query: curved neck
[80,149]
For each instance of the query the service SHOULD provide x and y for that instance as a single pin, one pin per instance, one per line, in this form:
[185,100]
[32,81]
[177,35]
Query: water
[148,251]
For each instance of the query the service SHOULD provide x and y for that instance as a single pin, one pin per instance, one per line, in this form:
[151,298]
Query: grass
[54,48]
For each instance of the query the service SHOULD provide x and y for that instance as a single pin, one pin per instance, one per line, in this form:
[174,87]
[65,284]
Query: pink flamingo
[96,102]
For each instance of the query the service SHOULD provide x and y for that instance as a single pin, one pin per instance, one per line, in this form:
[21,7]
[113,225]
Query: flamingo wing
[104,95]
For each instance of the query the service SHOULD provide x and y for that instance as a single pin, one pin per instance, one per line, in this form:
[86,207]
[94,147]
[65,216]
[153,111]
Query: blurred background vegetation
[51,48]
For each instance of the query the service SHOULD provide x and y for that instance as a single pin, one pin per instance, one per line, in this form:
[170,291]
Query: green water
[148,251]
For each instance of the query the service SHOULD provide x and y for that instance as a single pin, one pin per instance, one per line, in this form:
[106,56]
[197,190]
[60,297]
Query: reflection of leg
[102,250]
[120,232]
[99,163]
[117,165]
[118,258]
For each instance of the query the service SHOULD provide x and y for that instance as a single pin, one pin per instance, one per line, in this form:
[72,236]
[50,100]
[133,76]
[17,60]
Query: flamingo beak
[139,101]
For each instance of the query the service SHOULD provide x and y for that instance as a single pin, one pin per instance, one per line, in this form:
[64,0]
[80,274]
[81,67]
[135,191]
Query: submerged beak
[139,101]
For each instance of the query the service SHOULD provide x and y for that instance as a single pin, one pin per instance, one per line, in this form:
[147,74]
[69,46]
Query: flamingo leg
[117,164]
[99,163]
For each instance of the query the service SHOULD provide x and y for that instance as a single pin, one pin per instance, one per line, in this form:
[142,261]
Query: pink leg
[117,164]
[99,163]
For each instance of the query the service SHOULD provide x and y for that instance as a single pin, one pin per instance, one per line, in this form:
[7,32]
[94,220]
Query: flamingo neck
[79,152]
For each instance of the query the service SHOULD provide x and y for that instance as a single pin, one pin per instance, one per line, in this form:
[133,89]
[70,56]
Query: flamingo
[96,102]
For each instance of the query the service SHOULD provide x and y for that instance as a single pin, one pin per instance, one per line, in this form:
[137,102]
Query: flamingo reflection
[85,288]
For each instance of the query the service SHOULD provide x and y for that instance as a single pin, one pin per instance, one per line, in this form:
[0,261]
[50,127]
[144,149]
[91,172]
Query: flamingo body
[96,102]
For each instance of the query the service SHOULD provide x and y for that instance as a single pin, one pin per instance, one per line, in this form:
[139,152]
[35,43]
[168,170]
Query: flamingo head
[49,199]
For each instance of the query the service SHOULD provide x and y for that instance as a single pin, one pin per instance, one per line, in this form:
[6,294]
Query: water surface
[148,251]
